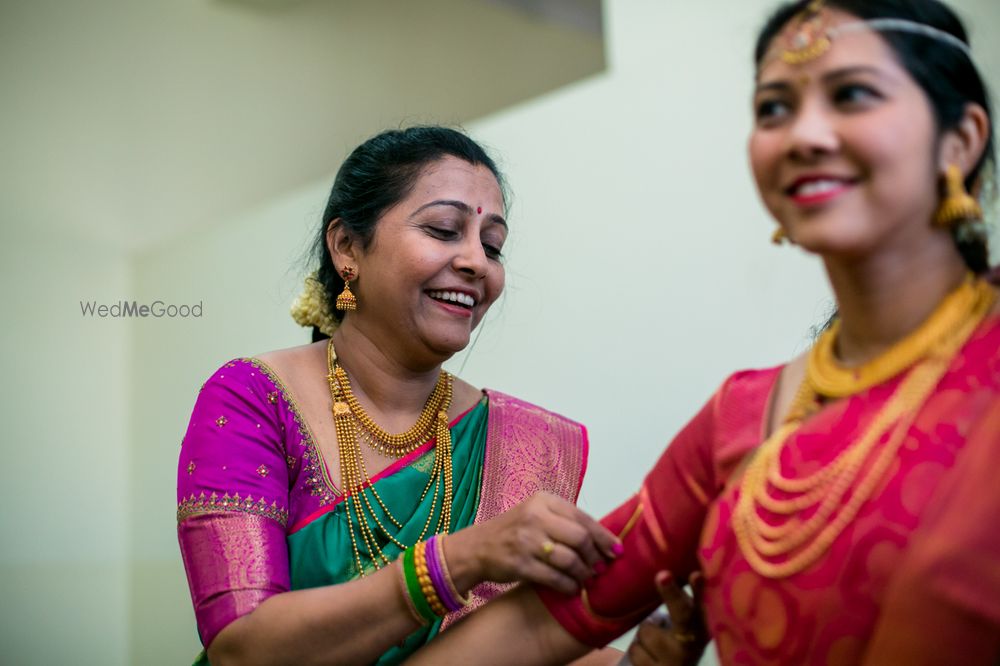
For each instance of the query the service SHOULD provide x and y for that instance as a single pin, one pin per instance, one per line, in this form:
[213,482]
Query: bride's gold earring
[780,236]
[958,205]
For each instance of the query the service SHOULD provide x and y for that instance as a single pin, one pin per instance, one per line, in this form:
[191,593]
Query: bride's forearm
[514,629]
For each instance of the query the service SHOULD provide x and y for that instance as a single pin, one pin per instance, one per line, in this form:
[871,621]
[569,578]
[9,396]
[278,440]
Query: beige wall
[63,499]
[640,274]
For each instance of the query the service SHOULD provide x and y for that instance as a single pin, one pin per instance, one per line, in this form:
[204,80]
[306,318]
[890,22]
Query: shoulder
[292,360]
[748,383]
[502,403]
[529,447]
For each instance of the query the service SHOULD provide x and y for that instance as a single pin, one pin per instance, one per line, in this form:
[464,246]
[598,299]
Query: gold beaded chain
[353,425]
[786,548]
[828,378]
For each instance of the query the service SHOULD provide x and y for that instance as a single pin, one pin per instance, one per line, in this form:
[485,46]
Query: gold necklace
[829,378]
[788,546]
[353,424]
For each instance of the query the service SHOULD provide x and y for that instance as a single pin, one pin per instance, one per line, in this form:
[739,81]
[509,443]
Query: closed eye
[441,233]
[492,251]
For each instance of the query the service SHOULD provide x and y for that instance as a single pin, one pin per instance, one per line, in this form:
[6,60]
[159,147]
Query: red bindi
[479,209]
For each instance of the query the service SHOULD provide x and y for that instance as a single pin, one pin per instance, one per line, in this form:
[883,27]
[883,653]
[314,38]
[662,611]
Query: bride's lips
[815,189]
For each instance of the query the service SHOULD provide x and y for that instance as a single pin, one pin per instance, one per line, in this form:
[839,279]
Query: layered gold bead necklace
[353,425]
[788,544]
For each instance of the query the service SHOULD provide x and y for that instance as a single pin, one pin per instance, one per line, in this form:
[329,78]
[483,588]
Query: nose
[812,132]
[471,258]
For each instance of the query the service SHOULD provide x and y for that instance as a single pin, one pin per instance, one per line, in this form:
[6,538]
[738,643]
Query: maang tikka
[346,300]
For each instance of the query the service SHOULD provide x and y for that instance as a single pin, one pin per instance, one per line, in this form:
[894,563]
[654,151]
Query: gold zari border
[200,504]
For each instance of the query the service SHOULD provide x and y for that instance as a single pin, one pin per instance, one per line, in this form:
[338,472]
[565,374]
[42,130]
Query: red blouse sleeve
[660,526]
[943,605]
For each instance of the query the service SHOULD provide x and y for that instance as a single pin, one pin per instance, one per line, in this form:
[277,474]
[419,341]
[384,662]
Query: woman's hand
[544,540]
[681,640]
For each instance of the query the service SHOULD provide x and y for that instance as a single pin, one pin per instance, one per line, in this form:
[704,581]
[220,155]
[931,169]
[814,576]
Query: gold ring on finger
[547,549]
[685,637]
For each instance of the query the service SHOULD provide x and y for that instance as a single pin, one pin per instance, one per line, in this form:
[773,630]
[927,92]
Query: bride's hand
[544,540]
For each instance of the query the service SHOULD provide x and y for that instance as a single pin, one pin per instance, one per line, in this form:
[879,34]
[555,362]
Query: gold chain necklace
[828,378]
[352,425]
[783,548]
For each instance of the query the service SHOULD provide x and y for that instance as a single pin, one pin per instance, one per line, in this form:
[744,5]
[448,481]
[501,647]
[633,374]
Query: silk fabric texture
[913,579]
[258,513]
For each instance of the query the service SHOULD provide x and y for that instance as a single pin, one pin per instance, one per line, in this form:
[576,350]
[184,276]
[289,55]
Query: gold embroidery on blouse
[263,470]
[316,474]
[200,504]
[191,467]
[221,421]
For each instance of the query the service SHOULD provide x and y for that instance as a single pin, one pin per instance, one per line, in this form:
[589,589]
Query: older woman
[843,507]
[305,473]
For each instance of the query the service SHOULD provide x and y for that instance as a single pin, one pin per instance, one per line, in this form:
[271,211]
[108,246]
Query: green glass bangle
[413,587]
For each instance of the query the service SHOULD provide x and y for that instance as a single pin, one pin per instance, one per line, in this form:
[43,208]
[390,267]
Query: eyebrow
[784,84]
[461,206]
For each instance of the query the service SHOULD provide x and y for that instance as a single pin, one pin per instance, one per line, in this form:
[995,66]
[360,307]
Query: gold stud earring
[780,236]
[958,205]
[346,300]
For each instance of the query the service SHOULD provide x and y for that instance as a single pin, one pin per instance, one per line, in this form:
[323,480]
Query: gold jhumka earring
[346,300]
[780,236]
[958,205]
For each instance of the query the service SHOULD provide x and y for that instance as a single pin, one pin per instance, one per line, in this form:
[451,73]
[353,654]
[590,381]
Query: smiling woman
[342,501]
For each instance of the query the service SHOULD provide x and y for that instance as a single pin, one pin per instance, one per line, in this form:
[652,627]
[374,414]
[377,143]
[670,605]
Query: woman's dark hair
[376,176]
[945,73]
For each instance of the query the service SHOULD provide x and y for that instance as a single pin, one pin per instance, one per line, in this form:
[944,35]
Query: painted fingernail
[663,578]
[600,568]
[618,548]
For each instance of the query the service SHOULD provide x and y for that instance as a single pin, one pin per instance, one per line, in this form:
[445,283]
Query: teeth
[814,187]
[454,297]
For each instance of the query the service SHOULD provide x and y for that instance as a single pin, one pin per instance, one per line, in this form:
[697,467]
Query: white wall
[63,504]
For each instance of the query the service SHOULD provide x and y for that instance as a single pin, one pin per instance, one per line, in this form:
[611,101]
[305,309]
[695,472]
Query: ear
[342,244]
[964,144]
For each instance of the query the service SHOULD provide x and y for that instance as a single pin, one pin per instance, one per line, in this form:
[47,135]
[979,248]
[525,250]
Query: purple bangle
[433,551]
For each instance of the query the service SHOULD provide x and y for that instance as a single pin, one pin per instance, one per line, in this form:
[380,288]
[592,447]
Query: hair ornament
[312,308]
[903,25]
[809,35]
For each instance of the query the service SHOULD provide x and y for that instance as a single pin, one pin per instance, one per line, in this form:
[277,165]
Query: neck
[883,298]
[380,378]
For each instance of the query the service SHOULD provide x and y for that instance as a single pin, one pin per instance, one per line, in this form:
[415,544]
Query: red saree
[914,578]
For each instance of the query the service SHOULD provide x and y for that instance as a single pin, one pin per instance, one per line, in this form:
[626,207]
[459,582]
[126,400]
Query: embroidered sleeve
[232,492]
[659,527]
